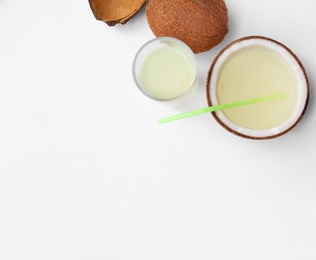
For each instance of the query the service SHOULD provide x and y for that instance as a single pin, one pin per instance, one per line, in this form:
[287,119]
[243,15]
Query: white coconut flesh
[291,62]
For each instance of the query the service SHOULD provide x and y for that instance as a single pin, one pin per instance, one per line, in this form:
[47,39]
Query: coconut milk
[257,71]
[167,73]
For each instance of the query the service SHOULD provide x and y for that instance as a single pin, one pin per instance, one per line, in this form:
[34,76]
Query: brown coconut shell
[201,24]
[113,12]
[208,90]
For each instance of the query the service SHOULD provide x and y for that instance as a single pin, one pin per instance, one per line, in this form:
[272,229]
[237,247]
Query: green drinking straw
[221,107]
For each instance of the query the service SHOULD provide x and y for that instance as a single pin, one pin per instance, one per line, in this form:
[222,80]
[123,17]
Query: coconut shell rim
[208,96]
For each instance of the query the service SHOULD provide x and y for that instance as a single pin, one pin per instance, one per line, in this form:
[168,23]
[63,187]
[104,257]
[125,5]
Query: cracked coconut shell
[115,11]
[201,24]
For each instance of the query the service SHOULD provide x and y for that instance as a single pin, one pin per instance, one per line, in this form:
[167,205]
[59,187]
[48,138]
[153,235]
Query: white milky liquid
[167,73]
[254,72]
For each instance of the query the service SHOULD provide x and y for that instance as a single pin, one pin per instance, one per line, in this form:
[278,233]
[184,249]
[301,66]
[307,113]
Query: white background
[86,173]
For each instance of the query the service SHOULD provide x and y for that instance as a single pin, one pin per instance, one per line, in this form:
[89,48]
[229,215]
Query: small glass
[164,69]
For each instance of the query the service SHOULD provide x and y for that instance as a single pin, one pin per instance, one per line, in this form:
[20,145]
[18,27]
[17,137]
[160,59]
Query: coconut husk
[201,24]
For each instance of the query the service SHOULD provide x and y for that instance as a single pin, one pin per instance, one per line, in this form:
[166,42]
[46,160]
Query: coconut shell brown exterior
[208,90]
[113,12]
[201,24]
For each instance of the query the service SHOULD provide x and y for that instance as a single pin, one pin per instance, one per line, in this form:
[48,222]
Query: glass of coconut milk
[164,69]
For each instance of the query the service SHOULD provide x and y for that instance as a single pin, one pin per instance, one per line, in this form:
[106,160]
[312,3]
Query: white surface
[86,173]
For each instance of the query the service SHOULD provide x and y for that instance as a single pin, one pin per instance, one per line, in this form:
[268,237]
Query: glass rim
[171,39]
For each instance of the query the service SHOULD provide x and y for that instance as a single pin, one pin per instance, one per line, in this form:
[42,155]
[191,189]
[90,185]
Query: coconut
[257,65]
[201,24]
[115,11]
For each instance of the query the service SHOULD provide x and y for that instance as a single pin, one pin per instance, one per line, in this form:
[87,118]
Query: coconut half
[113,12]
[251,67]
